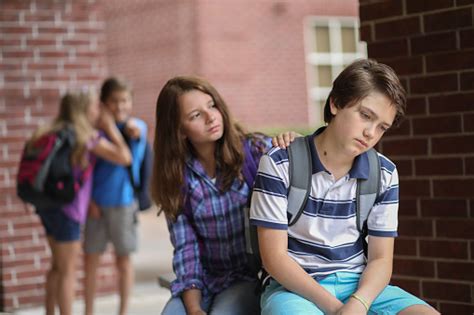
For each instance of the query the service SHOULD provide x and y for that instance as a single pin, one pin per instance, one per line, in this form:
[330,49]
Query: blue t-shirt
[111,185]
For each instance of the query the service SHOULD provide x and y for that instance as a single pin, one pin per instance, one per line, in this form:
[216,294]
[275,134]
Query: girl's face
[93,110]
[201,121]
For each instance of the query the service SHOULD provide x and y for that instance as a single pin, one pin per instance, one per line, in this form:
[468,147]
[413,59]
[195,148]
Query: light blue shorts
[277,300]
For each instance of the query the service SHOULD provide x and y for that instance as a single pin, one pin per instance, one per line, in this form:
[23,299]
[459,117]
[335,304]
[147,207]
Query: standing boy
[317,265]
[112,213]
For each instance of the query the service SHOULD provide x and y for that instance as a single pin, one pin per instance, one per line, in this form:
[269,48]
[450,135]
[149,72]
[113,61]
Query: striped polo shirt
[325,239]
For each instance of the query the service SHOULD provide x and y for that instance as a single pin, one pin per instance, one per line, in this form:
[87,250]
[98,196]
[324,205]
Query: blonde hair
[73,110]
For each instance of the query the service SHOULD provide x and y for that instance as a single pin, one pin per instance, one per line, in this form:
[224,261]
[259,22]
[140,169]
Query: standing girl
[81,112]
[201,158]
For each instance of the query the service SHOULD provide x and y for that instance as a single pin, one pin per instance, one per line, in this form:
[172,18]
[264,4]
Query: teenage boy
[112,212]
[317,265]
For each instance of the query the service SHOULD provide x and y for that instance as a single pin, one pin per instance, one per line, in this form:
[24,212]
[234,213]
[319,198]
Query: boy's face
[359,127]
[120,105]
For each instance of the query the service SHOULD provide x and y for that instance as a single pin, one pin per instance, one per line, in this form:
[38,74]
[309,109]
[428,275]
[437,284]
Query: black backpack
[45,175]
[299,156]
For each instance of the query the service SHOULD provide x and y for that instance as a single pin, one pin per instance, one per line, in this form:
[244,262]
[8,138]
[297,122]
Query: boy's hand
[200,312]
[352,307]
[94,211]
[284,139]
[131,129]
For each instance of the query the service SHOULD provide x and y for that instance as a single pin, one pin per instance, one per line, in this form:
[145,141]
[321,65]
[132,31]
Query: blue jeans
[276,300]
[238,299]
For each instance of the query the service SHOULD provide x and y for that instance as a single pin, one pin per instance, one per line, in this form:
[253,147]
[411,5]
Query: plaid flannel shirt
[208,235]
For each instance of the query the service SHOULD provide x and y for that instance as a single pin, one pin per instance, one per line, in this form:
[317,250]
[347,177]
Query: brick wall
[252,51]
[46,47]
[430,44]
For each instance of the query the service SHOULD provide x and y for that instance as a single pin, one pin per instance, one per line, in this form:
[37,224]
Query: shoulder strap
[300,173]
[367,191]
[127,139]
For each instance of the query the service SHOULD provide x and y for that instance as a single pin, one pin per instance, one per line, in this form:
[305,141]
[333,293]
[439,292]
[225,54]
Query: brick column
[431,46]
[46,48]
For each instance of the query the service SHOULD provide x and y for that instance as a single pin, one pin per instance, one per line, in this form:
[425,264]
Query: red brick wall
[46,47]
[430,44]
[252,51]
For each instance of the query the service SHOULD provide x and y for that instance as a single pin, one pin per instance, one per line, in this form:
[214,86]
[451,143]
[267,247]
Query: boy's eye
[364,115]
[196,115]
[384,129]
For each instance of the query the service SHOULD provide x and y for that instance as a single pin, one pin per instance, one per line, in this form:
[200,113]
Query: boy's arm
[376,275]
[273,250]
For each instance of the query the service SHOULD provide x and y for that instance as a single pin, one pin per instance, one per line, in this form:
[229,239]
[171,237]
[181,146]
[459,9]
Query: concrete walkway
[153,258]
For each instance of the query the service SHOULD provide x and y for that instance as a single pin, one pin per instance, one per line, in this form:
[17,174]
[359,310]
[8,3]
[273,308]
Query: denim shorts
[277,300]
[59,226]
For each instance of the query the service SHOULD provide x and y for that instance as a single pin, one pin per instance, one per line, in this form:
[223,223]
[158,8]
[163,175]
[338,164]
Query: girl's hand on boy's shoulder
[200,312]
[284,139]
[131,129]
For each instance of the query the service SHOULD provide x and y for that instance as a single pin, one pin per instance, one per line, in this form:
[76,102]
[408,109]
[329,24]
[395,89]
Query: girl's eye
[384,129]
[195,115]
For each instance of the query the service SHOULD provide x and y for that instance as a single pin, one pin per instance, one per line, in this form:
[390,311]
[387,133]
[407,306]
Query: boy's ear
[333,107]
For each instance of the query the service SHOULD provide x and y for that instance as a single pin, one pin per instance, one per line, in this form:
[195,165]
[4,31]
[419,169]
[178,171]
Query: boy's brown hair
[112,85]
[361,78]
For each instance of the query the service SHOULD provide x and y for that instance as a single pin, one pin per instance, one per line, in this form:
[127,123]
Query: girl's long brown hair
[73,112]
[171,149]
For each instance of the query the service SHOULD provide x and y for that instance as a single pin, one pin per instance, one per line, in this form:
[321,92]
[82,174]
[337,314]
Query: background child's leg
[91,263]
[67,254]
[126,277]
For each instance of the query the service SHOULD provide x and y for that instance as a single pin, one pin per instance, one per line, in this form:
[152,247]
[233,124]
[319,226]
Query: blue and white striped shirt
[325,239]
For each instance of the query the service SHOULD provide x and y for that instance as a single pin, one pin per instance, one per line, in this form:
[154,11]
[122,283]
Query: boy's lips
[362,142]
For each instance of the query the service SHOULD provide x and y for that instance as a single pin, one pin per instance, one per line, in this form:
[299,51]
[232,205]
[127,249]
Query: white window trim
[335,60]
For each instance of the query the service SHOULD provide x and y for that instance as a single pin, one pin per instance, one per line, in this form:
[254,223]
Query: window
[331,44]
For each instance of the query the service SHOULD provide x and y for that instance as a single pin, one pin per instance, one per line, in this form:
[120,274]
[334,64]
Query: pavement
[152,259]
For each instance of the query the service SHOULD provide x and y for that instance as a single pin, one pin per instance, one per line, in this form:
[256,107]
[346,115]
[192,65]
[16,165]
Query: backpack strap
[300,173]
[249,171]
[366,195]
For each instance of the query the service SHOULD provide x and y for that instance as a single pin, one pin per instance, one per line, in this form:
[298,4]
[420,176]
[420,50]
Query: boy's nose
[369,132]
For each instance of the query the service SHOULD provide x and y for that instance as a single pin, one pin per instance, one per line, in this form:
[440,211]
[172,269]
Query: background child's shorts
[59,226]
[277,300]
[116,224]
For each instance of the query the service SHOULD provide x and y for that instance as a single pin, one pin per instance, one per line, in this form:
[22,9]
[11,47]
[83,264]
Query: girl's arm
[186,264]
[115,150]
[375,277]
[192,302]
[273,250]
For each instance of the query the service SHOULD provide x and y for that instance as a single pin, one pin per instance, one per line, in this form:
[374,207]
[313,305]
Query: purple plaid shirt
[208,236]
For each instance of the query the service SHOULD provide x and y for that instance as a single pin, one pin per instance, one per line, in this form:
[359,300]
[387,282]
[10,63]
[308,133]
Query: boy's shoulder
[278,155]
[385,163]
[140,123]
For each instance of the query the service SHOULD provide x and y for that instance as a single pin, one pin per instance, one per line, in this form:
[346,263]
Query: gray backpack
[300,173]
